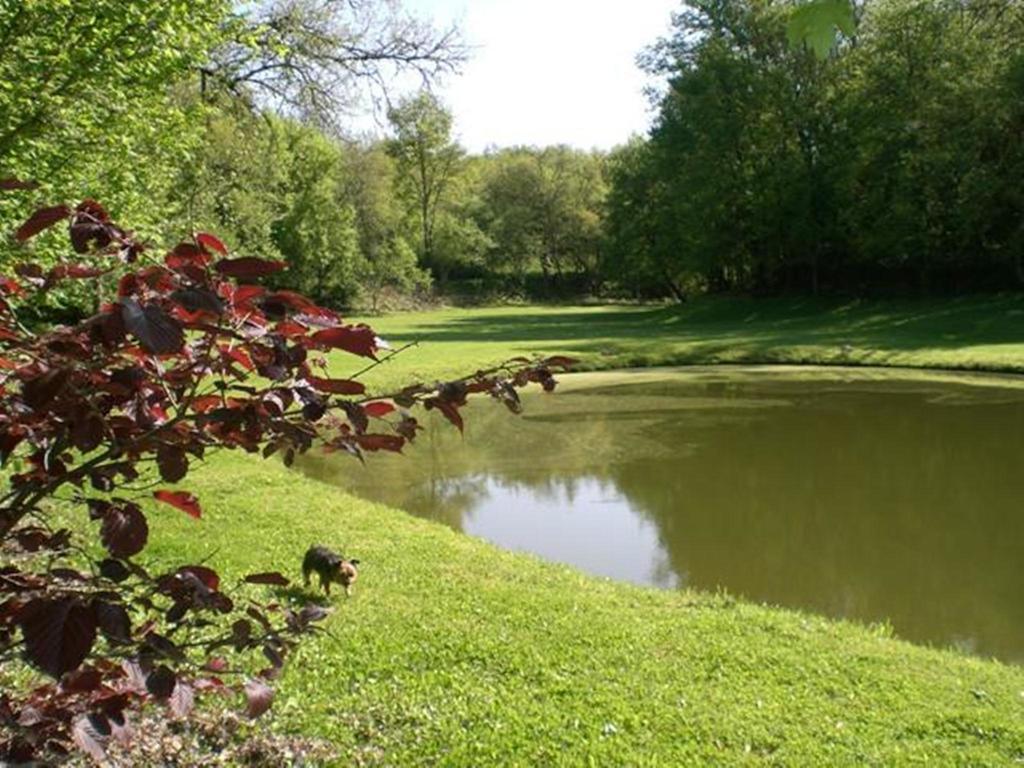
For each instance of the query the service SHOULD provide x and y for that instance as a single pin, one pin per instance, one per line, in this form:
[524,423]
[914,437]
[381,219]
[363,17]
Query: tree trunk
[814,270]
[1017,246]
[677,292]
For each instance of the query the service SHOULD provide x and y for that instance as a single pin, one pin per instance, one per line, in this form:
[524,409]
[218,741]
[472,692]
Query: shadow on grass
[738,323]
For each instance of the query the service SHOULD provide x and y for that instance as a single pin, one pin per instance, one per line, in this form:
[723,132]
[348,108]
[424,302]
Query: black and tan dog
[331,567]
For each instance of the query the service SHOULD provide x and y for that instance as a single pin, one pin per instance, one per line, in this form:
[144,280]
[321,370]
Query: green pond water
[868,495]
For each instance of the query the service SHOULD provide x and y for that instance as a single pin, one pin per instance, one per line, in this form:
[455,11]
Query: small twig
[385,359]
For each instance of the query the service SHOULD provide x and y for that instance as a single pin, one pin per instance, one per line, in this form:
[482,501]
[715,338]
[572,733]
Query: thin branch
[386,359]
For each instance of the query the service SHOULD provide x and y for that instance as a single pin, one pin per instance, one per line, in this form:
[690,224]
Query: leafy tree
[388,261]
[71,70]
[317,234]
[543,209]
[642,256]
[887,164]
[392,267]
[428,161]
[90,103]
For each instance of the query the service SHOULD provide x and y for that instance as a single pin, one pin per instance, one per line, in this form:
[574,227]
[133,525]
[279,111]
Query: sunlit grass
[964,334]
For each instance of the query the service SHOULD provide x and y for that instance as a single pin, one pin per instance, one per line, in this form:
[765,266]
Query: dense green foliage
[796,149]
[91,104]
[187,116]
[163,110]
[892,164]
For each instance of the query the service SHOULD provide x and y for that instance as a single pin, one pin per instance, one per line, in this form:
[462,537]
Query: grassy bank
[453,652]
[967,334]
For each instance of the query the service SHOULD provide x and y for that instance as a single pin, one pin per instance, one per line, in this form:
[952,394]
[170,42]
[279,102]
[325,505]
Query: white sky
[549,71]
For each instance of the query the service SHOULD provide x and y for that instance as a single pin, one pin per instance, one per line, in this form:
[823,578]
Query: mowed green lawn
[968,334]
[452,652]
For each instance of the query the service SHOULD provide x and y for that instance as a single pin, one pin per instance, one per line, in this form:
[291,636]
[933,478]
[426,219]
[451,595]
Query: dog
[331,567]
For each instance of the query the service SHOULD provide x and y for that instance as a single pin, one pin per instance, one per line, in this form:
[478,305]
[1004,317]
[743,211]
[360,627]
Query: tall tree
[542,208]
[428,161]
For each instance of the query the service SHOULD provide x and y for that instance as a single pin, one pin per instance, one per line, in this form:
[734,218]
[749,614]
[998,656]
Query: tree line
[893,164]
[230,118]
[888,160]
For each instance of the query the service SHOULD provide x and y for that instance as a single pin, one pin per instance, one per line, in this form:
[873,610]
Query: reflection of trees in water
[869,503]
[859,506]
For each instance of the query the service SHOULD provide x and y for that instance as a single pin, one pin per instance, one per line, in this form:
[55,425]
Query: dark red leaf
[378,409]
[58,634]
[87,431]
[287,328]
[30,272]
[93,210]
[455,392]
[560,361]
[187,258]
[448,408]
[31,539]
[273,656]
[114,570]
[356,416]
[207,576]
[90,228]
[238,355]
[81,680]
[211,243]
[336,386]
[40,391]
[180,500]
[97,508]
[259,696]
[356,339]
[9,184]
[159,333]
[163,647]
[114,622]
[124,531]
[243,295]
[273,578]
[172,462]
[311,613]
[248,267]
[161,682]
[199,300]
[76,271]
[40,220]
[206,403]
[276,304]
[393,443]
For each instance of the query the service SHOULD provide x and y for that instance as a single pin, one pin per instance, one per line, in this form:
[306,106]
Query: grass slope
[453,652]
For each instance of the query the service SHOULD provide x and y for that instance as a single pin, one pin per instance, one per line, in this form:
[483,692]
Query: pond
[879,496]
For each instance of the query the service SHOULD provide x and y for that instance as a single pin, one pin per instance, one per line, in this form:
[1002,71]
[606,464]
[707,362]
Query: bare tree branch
[319,60]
